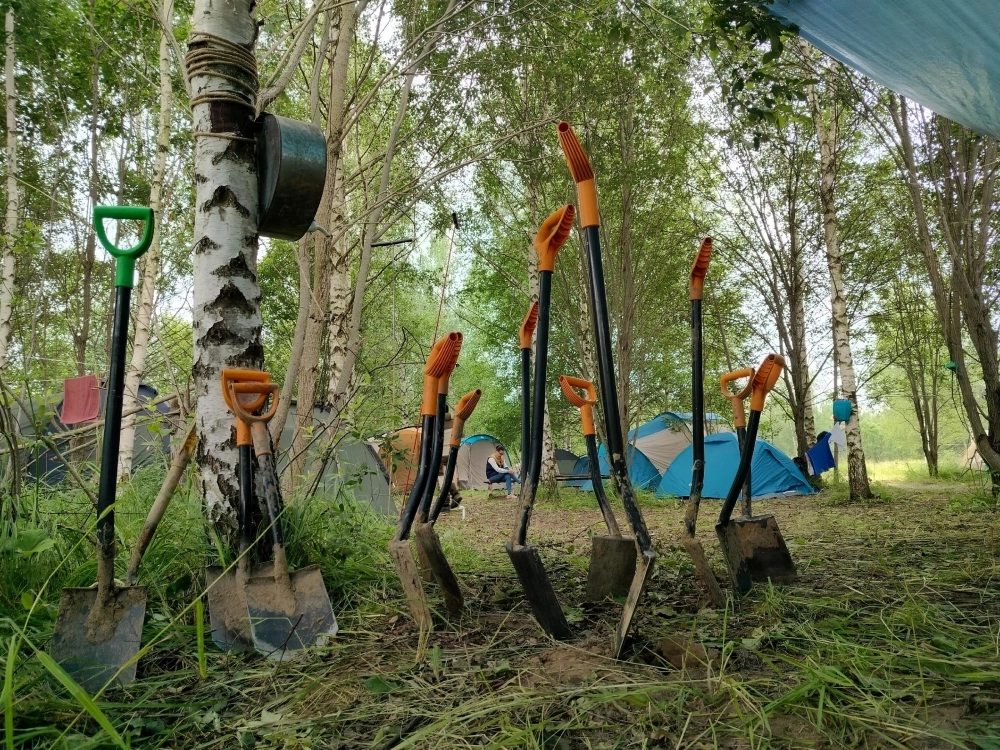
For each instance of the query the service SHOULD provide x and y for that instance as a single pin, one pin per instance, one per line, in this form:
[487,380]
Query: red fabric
[81,400]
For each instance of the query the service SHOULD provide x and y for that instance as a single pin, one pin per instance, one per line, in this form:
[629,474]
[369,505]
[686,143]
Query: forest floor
[890,638]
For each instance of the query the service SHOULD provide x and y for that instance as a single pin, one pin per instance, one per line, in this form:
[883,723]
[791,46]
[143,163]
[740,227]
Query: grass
[891,638]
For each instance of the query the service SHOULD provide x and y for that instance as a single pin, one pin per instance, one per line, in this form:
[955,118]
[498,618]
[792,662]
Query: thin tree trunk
[227,321]
[826,133]
[10,228]
[151,260]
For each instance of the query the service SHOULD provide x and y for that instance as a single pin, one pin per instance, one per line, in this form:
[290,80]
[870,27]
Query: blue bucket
[841,410]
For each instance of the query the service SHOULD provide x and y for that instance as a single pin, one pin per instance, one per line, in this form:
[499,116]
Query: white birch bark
[151,260]
[10,228]
[227,320]
[826,133]
[340,285]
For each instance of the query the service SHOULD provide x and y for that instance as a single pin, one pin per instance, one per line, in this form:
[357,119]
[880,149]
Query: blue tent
[640,470]
[773,473]
[940,53]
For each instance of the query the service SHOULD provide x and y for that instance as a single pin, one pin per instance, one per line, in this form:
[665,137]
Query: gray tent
[354,466]
[566,460]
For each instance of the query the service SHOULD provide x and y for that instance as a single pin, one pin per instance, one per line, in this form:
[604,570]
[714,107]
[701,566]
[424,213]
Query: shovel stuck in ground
[227,602]
[762,545]
[528,326]
[590,220]
[428,542]
[441,359]
[525,558]
[288,611]
[703,571]
[755,539]
[612,558]
[98,629]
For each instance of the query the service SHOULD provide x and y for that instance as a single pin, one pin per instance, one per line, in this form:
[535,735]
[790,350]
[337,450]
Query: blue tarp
[640,470]
[940,53]
[772,472]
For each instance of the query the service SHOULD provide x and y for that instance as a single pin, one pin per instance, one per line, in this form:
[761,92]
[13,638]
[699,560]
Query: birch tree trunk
[151,260]
[826,133]
[221,69]
[10,228]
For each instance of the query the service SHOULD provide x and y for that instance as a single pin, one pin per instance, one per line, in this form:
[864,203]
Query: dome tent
[470,469]
[772,472]
[566,460]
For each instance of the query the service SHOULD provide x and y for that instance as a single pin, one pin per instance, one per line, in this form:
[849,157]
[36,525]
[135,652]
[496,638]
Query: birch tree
[222,73]
[150,263]
[10,228]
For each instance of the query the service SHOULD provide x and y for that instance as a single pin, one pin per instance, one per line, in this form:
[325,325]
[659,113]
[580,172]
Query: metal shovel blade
[732,553]
[703,571]
[764,549]
[429,545]
[413,589]
[537,588]
[92,642]
[612,567]
[227,610]
[639,582]
[289,614]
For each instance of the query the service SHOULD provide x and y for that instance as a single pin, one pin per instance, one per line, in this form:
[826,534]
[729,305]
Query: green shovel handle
[125,268]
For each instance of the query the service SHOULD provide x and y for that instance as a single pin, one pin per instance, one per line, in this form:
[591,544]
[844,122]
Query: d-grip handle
[528,325]
[583,175]
[736,399]
[696,285]
[585,405]
[126,257]
[449,366]
[231,376]
[257,422]
[552,235]
[463,410]
[442,359]
[765,379]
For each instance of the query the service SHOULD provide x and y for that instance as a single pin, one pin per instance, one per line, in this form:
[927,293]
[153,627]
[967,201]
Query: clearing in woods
[891,638]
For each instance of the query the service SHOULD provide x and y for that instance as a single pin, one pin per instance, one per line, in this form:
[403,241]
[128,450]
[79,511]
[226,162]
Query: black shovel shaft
[595,478]
[541,369]
[416,491]
[743,471]
[434,462]
[112,440]
[269,478]
[741,440]
[449,475]
[246,497]
[697,401]
[525,412]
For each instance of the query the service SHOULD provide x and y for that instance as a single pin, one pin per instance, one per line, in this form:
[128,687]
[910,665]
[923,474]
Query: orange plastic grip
[463,410]
[696,286]
[569,385]
[434,368]
[449,368]
[583,175]
[231,376]
[736,399]
[256,422]
[528,325]
[552,235]
[765,379]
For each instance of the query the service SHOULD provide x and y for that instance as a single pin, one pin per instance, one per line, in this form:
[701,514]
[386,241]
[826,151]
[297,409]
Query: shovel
[442,357]
[525,558]
[98,630]
[590,220]
[466,405]
[761,543]
[612,558]
[428,543]
[527,331]
[756,539]
[703,571]
[288,611]
[227,604]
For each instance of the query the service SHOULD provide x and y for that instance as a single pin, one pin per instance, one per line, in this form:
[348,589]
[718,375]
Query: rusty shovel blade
[413,589]
[764,549]
[703,571]
[94,640]
[539,592]
[612,567]
[639,582]
[431,550]
[227,610]
[732,553]
[289,612]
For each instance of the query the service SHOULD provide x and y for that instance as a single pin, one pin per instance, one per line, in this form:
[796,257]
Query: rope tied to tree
[212,56]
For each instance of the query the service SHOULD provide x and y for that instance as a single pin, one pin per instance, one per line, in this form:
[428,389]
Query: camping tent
[772,472]
[941,53]
[653,447]
[472,457]
[353,465]
[566,460]
[152,435]
[398,452]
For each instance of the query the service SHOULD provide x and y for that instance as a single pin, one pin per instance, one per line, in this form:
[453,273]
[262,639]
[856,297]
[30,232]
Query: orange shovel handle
[552,235]
[528,325]
[231,376]
[438,360]
[583,175]
[765,379]
[736,399]
[463,410]
[257,422]
[569,384]
[696,286]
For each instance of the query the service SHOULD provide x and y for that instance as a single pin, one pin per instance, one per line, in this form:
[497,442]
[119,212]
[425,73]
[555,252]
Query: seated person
[498,470]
